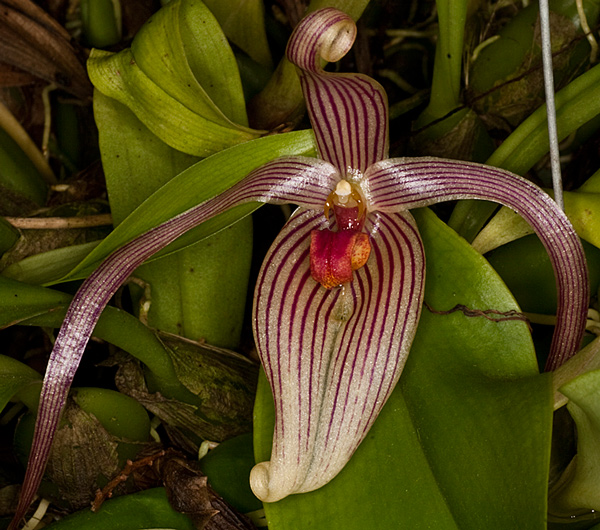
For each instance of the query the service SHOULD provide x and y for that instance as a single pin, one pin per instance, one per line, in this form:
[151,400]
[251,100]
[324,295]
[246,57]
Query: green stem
[447,68]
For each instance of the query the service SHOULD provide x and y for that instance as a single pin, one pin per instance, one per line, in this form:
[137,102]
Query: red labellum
[335,255]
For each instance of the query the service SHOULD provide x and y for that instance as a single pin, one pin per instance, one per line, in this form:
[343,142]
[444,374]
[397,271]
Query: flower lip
[335,254]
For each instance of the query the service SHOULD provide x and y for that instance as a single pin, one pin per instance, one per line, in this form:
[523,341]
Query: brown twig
[485,313]
[107,491]
[57,223]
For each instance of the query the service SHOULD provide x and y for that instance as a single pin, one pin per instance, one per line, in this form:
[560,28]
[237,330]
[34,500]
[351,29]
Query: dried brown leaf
[33,41]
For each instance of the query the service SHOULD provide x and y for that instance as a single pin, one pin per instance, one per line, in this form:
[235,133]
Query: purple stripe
[406,260]
[403,184]
[338,104]
[396,243]
[269,273]
[303,47]
[323,321]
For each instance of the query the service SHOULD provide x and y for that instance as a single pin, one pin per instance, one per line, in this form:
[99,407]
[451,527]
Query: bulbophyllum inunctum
[339,294]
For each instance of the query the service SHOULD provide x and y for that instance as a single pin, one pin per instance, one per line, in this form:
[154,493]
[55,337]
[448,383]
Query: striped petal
[332,356]
[405,183]
[348,112]
[303,181]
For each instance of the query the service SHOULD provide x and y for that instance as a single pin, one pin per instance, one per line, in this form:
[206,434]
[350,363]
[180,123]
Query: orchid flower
[339,294]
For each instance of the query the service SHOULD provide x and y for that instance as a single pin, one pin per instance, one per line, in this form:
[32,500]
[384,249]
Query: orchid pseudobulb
[339,295]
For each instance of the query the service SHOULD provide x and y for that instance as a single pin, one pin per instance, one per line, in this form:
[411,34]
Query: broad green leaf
[463,443]
[146,509]
[578,490]
[200,182]
[183,50]
[180,78]
[200,291]
[135,161]
[243,21]
[118,76]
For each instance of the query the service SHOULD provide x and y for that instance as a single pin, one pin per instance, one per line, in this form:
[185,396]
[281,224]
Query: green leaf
[129,148]
[184,51]
[243,21]
[464,440]
[200,182]
[14,376]
[578,490]
[21,303]
[213,272]
[200,291]
[118,76]
[181,285]
[49,266]
[180,78]
[146,509]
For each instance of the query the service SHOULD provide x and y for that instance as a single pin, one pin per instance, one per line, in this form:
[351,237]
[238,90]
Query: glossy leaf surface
[200,182]
[243,23]
[183,49]
[180,79]
[577,492]
[434,457]
[147,509]
[181,285]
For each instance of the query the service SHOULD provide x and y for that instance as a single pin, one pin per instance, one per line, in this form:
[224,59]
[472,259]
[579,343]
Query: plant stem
[550,107]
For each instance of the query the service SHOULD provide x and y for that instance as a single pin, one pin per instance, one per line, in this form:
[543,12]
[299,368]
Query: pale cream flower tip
[259,482]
